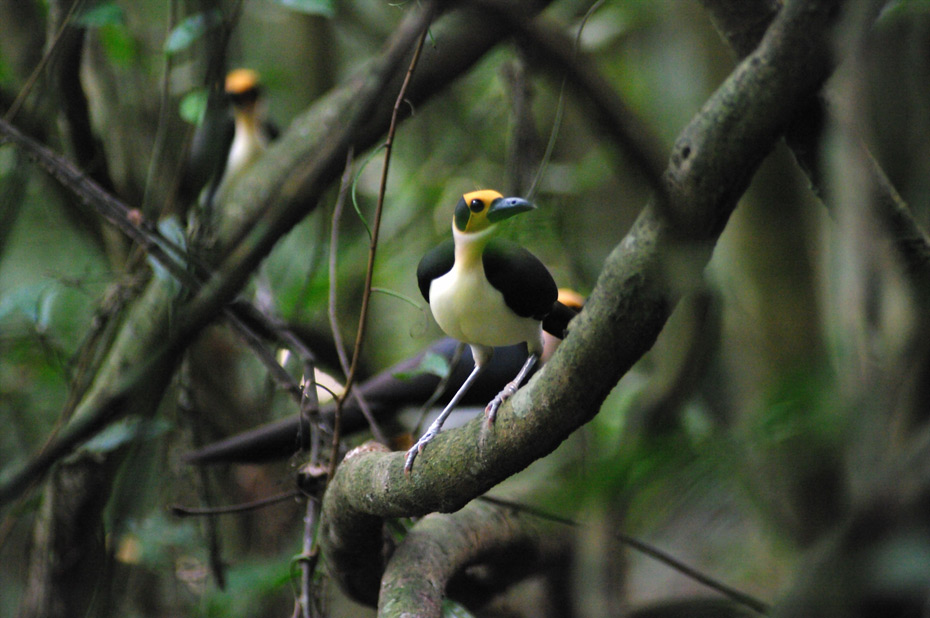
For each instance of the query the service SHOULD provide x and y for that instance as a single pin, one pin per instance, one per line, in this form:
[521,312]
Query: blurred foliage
[727,486]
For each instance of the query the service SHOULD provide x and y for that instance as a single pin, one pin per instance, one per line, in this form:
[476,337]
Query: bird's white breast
[248,143]
[468,308]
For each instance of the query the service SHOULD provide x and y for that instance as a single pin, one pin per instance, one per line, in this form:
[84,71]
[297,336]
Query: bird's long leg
[508,391]
[436,426]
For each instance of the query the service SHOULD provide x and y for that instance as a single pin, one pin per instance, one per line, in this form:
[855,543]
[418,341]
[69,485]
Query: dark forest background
[740,188]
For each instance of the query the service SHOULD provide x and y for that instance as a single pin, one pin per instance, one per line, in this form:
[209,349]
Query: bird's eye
[476,205]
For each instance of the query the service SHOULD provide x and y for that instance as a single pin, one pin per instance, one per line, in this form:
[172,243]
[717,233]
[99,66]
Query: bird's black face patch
[462,214]
[244,97]
[473,213]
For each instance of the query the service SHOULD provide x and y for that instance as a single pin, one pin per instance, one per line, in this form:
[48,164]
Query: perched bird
[392,390]
[233,134]
[485,292]
[252,133]
[387,392]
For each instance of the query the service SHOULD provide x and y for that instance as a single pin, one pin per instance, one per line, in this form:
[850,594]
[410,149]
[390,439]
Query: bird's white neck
[248,143]
[469,246]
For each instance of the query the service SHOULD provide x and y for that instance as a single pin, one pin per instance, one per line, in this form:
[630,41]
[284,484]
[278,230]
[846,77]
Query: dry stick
[373,244]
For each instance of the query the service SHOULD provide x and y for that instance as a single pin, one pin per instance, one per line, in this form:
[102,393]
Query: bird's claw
[490,412]
[416,449]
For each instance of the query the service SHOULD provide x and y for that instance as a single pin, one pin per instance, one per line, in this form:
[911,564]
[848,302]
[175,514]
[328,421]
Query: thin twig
[559,109]
[308,556]
[190,511]
[645,548]
[34,76]
[376,227]
[310,415]
[333,311]
[164,115]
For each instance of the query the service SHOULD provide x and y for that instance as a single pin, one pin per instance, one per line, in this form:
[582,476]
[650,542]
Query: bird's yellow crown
[240,81]
[479,210]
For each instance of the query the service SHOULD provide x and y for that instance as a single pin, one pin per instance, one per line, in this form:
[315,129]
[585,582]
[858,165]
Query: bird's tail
[565,308]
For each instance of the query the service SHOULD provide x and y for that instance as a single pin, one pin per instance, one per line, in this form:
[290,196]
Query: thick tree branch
[742,22]
[440,546]
[713,160]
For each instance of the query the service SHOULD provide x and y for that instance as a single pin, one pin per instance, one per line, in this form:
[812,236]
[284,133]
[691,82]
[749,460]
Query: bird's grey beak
[506,207]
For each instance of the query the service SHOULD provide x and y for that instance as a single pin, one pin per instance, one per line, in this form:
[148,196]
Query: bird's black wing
[556,323]
[272,130]
[437,262]
[207,155]
[526,284]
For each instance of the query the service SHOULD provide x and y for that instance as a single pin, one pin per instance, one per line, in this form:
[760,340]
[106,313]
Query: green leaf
[108,14]
[325,8]
[454,609]
[895,12]
[110,21]
[190,29]
[431,362]
[34,302]
[119,44]
[126,431]
[172,229]
[193,106]
[413,303]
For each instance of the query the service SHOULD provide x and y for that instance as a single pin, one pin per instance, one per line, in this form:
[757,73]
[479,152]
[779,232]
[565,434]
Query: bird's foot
[415,450]
[490,412]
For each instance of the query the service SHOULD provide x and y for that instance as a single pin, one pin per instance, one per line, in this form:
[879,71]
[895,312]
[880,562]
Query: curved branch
[439,547]
[712,162]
